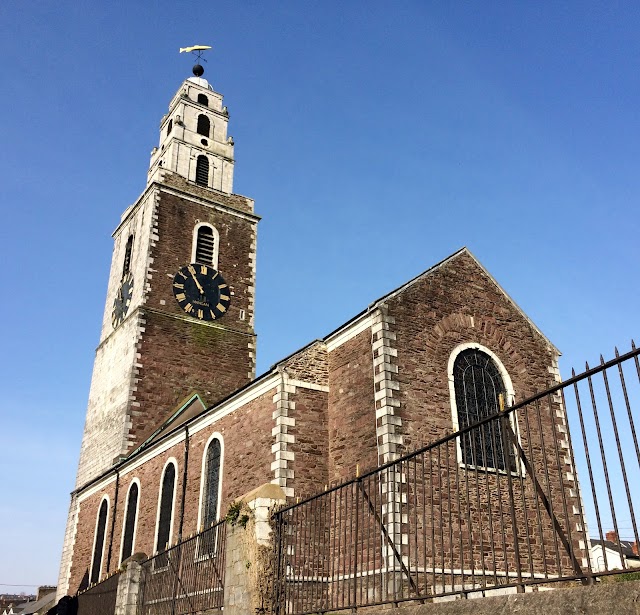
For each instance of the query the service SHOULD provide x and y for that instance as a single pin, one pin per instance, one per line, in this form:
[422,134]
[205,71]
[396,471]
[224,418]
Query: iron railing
[99,599]
[432,525]
[186,578]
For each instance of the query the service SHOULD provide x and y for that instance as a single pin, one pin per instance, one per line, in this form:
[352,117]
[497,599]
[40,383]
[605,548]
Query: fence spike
[357,470]
[617,353]
[601,360]
[633,344]
[573,372]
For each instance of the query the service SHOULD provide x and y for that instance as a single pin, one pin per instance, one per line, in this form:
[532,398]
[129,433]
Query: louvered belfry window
[212,484]
[203,100]
[99,544]
[130,522]
[166,507]
[126,267]
[205,246]
[204,126]
[478,387]
[202,171]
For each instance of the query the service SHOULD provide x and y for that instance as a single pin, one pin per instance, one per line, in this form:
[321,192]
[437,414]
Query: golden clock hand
[197,283]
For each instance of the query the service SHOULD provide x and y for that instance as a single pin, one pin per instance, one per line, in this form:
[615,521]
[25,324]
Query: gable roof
[430,271]
[37,605]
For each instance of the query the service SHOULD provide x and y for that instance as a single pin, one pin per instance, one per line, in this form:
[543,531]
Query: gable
[464,279]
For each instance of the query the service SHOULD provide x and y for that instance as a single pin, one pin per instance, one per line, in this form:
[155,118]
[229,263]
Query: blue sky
[376,138]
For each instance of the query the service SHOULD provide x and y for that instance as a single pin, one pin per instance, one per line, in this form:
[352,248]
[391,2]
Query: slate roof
[38,605]
[626,546]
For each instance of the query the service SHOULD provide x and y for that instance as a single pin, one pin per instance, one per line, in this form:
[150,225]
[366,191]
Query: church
[177,424]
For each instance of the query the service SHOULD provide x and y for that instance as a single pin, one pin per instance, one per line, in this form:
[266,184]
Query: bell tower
[179,312]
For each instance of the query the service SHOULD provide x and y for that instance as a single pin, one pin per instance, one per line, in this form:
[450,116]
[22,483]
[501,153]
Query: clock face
[201,292]
[122,301]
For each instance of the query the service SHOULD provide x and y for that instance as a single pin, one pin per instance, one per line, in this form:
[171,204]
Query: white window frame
[124,519]
[510,397]
[174,461]
[214,436]
[95,536]
[216,243]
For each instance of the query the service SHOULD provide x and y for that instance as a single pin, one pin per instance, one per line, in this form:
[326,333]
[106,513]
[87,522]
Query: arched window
[98,544]
[211,487]
[126,267]
[130,517]
[205,245]
[169,127]
[479,392]
[165,507]
[203,100]
[202,171]
[204,125]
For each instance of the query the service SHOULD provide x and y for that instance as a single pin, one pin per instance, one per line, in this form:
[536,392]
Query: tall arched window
[480,391]
[169,127]
[203,100]
[204,125]
[211,487]
[98,544]
[202,171]
[130,517]
[126,267]
[165,507]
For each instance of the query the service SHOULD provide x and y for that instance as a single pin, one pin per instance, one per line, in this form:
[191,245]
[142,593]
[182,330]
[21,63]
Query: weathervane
[196,50]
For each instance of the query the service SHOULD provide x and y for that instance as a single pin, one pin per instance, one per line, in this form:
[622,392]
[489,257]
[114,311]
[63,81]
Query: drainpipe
[184,481]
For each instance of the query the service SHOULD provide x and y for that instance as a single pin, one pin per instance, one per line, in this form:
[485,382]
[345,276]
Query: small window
[204,126]
[165,512]
[126,267]
[98,547]
[203,100]
[212,484]
[130,522]
[202,171]
[479,390]
[169,127]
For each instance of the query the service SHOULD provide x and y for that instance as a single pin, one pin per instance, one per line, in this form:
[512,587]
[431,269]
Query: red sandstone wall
[247,460]
[181,355]
[310,466]
[351,419]
[456,304]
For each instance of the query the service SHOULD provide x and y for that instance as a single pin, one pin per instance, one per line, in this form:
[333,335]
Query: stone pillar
[249,560]
[129,585]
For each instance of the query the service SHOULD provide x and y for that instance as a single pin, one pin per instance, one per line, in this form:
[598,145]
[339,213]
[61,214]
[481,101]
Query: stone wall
[246,438]
[620,598]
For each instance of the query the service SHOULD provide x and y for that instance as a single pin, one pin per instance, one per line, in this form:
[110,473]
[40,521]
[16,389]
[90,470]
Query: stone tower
[171,330]
[159,345]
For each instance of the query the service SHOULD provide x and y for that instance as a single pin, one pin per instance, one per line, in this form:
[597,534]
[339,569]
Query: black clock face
[201,292]
[122,301]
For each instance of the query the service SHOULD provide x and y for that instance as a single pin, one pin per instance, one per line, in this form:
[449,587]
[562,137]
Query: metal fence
[99,599]
[493,506]
[187,578]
